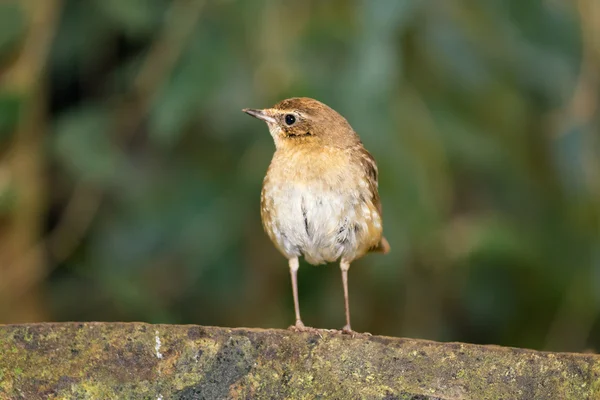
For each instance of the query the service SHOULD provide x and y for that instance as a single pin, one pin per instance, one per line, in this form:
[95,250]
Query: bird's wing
[372,173]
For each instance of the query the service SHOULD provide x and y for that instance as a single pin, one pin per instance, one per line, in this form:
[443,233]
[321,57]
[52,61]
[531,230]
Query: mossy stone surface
[143,361]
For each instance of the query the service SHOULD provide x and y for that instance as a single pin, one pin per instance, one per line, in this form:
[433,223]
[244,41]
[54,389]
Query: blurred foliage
[474,110]
[10,105]
[12,26]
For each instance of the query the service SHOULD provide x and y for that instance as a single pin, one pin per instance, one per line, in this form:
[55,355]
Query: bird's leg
[345,266]
[294,265]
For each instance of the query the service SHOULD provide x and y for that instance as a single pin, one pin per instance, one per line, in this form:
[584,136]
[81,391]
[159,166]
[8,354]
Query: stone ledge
[143,361]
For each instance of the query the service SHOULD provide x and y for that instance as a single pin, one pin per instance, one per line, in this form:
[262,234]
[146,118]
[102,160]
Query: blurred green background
[130,179]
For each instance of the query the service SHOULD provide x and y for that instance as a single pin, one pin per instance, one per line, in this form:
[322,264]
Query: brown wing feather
[370,167]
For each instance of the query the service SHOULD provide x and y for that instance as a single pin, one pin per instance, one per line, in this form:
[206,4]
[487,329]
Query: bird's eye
[290,119]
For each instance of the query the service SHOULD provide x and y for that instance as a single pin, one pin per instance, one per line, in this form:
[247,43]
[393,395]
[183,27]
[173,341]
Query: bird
[319,198]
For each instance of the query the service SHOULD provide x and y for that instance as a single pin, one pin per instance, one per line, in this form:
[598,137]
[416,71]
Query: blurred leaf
[12,26]
[8,196]
[136,17]
[174,109]
[10,107]
[81,39]
[191,86]
[497,238]
[83,144]
[569,151]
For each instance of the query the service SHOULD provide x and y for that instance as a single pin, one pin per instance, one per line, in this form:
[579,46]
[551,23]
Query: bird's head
[302,121]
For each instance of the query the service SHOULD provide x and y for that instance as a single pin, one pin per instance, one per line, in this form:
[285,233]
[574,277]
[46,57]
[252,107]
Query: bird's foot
[347,330]
[300,327]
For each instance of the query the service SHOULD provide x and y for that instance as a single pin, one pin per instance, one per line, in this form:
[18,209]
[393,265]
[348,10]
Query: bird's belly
[321,225]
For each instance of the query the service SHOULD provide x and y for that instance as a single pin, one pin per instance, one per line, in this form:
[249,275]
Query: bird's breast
[319,211]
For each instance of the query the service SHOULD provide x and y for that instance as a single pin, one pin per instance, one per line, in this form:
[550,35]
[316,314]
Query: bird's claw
[346,330]
[300,327]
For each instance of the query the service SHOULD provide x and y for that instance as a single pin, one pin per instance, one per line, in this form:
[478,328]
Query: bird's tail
[382,247]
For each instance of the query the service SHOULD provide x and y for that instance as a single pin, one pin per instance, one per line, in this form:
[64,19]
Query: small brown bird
[319,197]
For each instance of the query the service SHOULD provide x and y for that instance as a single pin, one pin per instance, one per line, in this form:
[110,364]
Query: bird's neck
[309,163]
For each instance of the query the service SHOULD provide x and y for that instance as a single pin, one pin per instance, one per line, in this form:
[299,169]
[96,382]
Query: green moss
[27,335]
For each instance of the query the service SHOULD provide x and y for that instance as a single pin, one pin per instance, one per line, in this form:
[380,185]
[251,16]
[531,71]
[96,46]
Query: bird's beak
[260,114]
